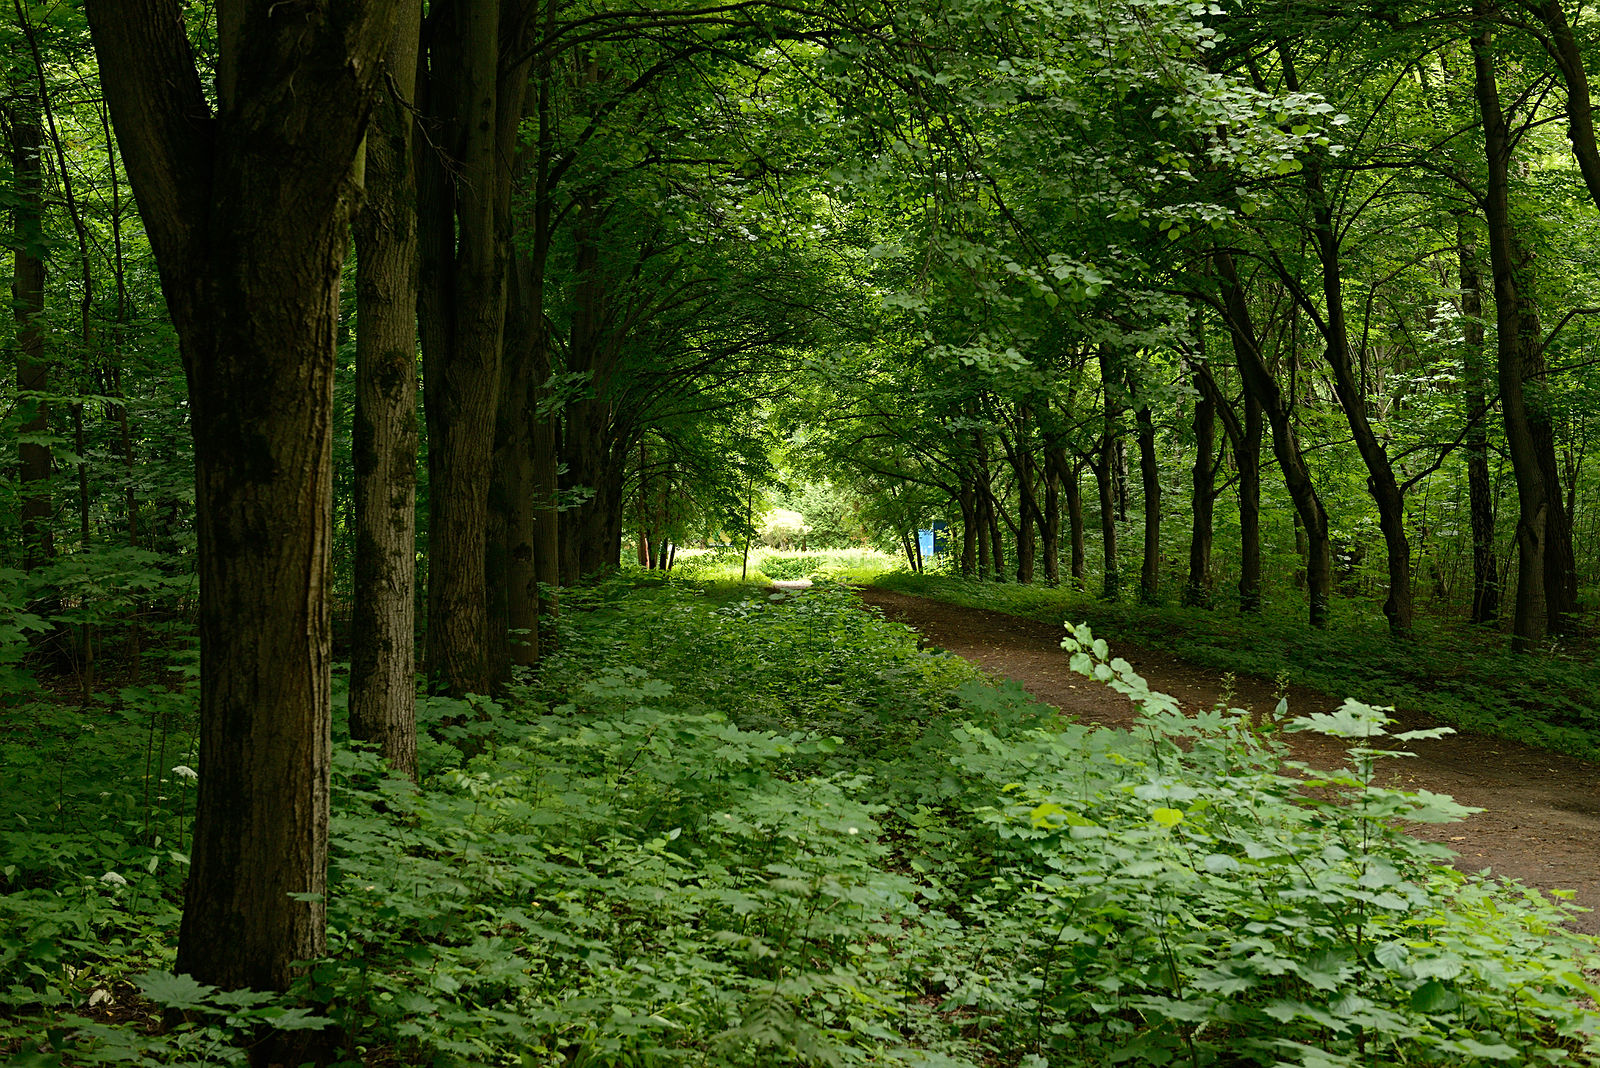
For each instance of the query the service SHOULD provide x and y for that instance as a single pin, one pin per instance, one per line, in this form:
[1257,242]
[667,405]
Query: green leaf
[1167,817]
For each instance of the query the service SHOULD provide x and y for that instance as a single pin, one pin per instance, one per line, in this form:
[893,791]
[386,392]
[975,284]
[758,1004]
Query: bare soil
[1541,818]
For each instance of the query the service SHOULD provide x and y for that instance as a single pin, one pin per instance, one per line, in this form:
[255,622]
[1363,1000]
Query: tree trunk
[1480,490]
[27,307]
[247,213]
[1520,356]
[1259,382]
[1197,590]
[1150,478]
[383,671]
[473,110]
[1381,482]
[1052,526]
[1105,479]
[970,534]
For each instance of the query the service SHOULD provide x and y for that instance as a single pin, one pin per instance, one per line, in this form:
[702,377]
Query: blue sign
[935,540]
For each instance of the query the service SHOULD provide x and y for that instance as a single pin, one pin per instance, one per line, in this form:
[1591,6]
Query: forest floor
[1541,818]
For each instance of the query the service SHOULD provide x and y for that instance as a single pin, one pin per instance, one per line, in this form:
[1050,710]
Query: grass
[1455,674]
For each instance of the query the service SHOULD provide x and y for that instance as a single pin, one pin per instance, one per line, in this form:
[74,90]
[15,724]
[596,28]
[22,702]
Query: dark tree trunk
[1480,490]
[1150,478]
[473,108]
[1259,382]
[383,671]
[971,537]
[1052,526]
[27,307]
[1245,441]
[1248,454]
[1381,481]
[247,212]
[1197,590]
[1074,490]
[1105,474]
[1521,359]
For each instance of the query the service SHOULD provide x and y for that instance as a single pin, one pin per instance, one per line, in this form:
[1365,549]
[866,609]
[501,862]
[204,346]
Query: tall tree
[25,127]
[247,205]
[383,685]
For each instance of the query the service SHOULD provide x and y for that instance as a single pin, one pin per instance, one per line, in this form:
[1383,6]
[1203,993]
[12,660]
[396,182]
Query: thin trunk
[970,540]
[35,461]
[383,671]
[1105,478]
[1259,382]
[1197,590]
[1381,481]
[1150,477]
[1052,526]
[1480,490]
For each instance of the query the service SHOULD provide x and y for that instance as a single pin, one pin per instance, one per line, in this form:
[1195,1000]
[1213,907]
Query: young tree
[247,205]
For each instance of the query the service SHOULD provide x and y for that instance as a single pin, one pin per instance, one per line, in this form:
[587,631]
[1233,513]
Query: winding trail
[1541,818]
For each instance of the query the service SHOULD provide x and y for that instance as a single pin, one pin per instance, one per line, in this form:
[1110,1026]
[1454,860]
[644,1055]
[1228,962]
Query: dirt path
[1541,822]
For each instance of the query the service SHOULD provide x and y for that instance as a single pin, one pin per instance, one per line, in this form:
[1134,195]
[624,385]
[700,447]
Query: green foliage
[798,839]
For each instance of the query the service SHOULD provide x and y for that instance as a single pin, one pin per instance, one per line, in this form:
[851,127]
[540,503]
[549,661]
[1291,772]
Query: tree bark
[35,460]
[1150,478]
[1259,382]
[1105,479]
[1381,481]
[383,667]
[473,105]
[1520,356]
[247,212]
[1197,590]
[1052,526]
[1480,490]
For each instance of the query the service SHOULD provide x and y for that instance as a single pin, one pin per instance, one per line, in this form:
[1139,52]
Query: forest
[450,442]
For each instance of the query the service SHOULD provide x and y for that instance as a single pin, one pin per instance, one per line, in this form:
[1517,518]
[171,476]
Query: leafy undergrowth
[1458,675]
[768,830]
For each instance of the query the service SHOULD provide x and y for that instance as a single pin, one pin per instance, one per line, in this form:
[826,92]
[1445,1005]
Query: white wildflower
[184,771]
[114,879]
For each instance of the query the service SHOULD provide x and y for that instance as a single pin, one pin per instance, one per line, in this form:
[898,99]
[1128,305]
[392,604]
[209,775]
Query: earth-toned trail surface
[1541,818]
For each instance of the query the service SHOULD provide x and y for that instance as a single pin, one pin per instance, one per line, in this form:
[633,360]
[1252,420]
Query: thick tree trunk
[1259,382]
[247,214]
[473,108]
[35,462]
[1150,478]
[383,671]
[1197,590]
[1520,356]
[1480,490]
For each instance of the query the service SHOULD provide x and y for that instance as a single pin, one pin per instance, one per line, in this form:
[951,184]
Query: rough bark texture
[247,211]
[383,668]
[1260,383]
[473,106]
[34,462]
[1480,491]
